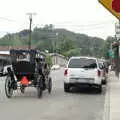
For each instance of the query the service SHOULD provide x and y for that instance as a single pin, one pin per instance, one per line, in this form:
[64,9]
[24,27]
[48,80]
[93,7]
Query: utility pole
[30,31]
[119,54]
[56,48]
[117,50]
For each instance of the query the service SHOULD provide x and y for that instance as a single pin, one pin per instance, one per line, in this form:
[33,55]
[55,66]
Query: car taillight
[66,72]
[99,73]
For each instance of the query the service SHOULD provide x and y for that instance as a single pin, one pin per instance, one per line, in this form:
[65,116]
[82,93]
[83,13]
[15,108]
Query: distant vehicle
[55,67]
[3,67]
[82,71]
[4,62]
[1,70]
[104,71]
[5,72]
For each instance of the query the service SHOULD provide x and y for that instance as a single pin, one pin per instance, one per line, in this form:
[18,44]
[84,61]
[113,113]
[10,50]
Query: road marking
[106,112]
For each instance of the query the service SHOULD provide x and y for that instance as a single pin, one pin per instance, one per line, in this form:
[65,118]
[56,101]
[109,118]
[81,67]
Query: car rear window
[82,63]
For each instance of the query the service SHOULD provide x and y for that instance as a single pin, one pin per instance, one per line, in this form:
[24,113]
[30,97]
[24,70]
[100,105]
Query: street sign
[116,5]
[113,6]
[111,53]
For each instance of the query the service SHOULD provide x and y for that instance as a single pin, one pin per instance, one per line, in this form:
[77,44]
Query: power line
[11,20]
[91,23]
[64,23]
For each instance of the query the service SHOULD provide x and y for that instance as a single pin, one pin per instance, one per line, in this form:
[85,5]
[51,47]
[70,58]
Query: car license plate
[82,81]
[79,80]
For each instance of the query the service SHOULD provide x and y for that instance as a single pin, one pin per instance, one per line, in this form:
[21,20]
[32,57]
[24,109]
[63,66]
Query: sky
[80,16]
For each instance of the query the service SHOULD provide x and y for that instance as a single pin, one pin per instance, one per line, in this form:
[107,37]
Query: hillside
[58,40]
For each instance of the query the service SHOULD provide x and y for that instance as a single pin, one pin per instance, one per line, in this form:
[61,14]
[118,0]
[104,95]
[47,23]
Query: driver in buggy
[43,69]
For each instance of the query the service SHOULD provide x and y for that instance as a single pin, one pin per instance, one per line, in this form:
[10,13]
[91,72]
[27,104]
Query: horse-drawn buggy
[28,69]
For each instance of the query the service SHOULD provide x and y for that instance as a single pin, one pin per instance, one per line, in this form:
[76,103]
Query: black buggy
[28,69]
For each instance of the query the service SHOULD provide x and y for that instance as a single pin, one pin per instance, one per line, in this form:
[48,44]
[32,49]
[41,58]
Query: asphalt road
[82,104]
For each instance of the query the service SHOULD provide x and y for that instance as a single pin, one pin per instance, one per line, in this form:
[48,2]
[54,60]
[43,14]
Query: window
[82,63]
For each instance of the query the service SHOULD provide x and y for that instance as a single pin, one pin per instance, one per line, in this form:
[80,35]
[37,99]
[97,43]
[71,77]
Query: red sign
[116,5]
[113,6]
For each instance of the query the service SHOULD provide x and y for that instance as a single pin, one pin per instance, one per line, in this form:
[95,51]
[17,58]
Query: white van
[82,71]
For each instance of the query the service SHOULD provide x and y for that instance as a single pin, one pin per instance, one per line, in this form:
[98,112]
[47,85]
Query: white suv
[82,71]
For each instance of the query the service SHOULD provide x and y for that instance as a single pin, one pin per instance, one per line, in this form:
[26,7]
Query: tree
[107,45]
[72,52]
[49,27]
[45,46]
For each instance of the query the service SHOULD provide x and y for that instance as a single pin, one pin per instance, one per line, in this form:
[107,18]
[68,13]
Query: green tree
[72,52]
[48,60]
[107,45]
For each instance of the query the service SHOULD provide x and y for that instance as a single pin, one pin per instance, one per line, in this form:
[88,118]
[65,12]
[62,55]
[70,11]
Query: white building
[58,59]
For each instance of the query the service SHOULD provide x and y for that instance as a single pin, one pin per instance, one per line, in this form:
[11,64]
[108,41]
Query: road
[83,104]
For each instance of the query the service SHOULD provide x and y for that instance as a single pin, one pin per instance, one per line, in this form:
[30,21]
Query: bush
[48,60]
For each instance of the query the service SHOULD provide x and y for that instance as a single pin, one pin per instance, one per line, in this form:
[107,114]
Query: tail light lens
[99,73]
[24,81]
[65,72]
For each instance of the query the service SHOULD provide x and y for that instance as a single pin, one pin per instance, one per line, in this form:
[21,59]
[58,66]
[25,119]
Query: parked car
[55,67]
[1,70]
[82,71]
[5,69]
[104,71]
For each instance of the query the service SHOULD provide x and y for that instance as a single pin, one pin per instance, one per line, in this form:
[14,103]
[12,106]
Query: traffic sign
[111,53]
[113,6]
[116,5]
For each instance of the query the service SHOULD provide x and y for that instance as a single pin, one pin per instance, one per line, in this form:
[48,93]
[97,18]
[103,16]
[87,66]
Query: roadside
[112,99]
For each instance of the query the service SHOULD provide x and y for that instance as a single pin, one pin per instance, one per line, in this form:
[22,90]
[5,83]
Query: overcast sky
[81,16]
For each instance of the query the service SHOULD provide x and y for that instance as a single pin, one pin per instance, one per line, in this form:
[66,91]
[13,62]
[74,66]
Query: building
[58,59]
[7,48]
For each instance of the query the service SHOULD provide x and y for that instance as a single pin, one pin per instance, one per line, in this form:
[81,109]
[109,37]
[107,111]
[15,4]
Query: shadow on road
[87,90]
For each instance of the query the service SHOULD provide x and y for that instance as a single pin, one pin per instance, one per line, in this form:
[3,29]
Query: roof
[56,54]
[7,48]
[4,52]
[78,57]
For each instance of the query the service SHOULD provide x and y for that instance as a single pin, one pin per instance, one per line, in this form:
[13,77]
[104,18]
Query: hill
[58,40]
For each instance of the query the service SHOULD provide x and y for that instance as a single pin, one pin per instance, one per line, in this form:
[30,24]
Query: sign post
[113,6]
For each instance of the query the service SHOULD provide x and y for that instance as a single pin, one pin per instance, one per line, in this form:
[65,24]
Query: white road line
[106,112]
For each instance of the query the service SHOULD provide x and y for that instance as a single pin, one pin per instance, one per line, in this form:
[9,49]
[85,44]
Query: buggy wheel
[39,87]
[8,87]
[50,85]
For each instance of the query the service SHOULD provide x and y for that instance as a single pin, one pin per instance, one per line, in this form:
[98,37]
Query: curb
[106,111]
